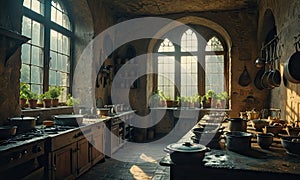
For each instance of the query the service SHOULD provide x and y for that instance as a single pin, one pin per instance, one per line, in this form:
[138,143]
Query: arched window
[46,57]
[193,66]
[183,74]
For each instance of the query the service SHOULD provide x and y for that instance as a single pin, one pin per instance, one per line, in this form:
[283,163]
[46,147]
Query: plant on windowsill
[71,101]
[46,98]
[55,92]
[222,99]
[211,98]
[24,92]
[32,100]
[157,99]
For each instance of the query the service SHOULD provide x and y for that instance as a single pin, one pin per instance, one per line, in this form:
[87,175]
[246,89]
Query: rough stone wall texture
[287,22]
[10,70]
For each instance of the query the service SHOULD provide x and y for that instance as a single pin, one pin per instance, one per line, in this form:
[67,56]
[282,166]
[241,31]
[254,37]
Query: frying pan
[291,66]
[257,80]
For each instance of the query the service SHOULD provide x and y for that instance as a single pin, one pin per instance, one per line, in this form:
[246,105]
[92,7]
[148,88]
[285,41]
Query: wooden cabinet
[71,154]
[63,164]
[83,156]
[97,143]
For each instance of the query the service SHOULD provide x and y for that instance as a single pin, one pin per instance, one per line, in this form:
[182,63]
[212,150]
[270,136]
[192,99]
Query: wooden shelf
[10,42]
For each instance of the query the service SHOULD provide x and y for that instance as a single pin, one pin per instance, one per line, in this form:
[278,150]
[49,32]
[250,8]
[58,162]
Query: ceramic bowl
[265,140]
[291,144]
[259,124]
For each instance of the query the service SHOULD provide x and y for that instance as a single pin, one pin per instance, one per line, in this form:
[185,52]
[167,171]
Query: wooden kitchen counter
[222,163]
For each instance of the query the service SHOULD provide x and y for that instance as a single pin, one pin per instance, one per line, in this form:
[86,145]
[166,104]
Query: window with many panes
[180,71]
[46,57]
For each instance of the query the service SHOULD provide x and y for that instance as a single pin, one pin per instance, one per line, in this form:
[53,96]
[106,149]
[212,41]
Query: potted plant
[157,99]
[24,93]
[32,99]
[55,92]
[46,98]
[222,99]
[72,101]
[211,98]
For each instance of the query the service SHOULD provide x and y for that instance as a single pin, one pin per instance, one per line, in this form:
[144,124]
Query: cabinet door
[64,163]
[115,138]
[83,156]
[97,144]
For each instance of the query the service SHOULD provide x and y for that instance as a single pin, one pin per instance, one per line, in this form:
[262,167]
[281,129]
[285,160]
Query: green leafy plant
[55,91]
[211,94]
[45,95]
[33,95]
[72,101]
[24,90]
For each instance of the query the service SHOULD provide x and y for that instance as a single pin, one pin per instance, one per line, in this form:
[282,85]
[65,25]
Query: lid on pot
[187,147]
[22,118]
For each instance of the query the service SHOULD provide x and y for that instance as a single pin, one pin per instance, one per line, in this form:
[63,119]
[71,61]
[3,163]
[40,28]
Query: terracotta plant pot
[47,103]
[54,102]
[32,103]
[23,103]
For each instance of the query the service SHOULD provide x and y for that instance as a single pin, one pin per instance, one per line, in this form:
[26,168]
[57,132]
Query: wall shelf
[10,41]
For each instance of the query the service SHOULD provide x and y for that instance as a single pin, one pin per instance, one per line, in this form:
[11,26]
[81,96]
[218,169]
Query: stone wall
[287,22]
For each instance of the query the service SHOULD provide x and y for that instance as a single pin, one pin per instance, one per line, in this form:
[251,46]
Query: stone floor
[138,161]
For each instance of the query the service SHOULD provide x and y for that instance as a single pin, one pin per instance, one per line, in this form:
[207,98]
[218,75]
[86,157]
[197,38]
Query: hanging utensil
[291,67]
[244,79]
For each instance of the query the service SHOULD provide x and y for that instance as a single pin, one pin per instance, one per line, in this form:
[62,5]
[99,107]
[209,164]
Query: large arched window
[191,67]
[46,57]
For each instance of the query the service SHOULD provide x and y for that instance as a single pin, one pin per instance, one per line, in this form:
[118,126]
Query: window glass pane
[25,73]
[53,62]
[214,72]
[189,41]
[37,56]
[59,15]
[25,53]
[66,45]
[37,6]
[58,79]
[64,63]
[52,78]
[26,27]
[26,3]
[37,34]
[189,76]
[166,46]
[37,88]
[59,62]
[214,45]
[59,42]
[36,74]
[53,40]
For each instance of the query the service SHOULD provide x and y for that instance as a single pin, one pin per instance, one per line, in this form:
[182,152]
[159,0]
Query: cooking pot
[7,131]
[291,66]
[23,123]
[68,119]
[237,124]
[238,141]
[187,152]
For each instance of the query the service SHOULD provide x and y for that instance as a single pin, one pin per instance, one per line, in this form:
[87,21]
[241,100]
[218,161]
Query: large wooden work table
[223,163]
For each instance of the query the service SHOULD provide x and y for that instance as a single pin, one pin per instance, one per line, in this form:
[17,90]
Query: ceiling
[165,7]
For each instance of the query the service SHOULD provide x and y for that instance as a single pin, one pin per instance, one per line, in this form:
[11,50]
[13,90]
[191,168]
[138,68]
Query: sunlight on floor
[138,173]
[147,158]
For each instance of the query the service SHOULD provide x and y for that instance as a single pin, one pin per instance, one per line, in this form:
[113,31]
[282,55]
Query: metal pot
[238,141]
[291,66]
[68,120]
[237,124]
[7,131]
[24,124]
[187,152]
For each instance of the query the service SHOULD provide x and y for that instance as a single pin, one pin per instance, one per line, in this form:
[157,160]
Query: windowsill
[46,109]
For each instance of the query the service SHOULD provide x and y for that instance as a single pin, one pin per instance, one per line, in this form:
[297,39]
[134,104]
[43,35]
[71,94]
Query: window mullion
[177,71]
[47,46]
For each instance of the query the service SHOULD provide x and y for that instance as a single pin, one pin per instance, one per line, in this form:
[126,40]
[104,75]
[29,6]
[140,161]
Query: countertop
[256,160]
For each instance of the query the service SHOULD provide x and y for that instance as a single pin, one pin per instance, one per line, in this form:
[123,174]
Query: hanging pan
[291,66]
[244,79]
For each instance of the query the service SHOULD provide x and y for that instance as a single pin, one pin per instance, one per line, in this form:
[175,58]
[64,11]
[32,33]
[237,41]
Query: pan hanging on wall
[244,79]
